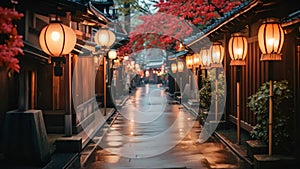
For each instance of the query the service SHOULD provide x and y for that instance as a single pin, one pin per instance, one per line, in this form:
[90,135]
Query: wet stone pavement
[151,131]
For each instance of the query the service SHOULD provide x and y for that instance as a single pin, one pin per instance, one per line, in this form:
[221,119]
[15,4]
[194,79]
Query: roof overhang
[35,52]
[249,12]
[238,13]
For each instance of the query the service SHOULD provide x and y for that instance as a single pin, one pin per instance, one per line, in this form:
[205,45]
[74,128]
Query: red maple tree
[160,30]
[10,42]
[199,12]
[174,21]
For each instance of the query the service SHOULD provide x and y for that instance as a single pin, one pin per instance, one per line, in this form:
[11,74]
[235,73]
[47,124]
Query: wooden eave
[35,52]
[225,23]
[236,21]
[292,20]
[80,12]
[46,7]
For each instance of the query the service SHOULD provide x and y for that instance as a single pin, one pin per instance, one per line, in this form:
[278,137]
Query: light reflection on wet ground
[128,136]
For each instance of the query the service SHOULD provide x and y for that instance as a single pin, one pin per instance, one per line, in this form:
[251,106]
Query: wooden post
[238,123]
[270,117]
[24,91]
[68,92]
[180,83]
[175,88]
[270,69]
[104,84]
[32,90]
[217,101]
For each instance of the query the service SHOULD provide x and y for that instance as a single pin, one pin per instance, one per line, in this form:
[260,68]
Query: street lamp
[237,47]
[57,40]
[270,40]
[112,54]
[196,64]
[105,38]
[205,62]
[174,70]
[180,68]
[205,58]
[217,54]
[189,61]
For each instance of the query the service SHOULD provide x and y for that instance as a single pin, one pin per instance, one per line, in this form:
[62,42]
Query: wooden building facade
[246,19]
[36,86]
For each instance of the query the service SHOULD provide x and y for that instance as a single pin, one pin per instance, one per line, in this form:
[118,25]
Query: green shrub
[259,104]
[205,93]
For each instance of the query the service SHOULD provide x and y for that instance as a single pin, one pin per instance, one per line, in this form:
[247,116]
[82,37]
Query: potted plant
[259,104]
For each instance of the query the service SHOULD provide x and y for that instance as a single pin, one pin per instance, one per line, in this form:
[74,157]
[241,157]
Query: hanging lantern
[180,66]
[205,58]
[126,57]
[57,39]
[104,38]
[270,40]
[174,68]
[189,62]
[117,63]
[196,60]
[112,54]
[237,47]
[147,73]
[217,54]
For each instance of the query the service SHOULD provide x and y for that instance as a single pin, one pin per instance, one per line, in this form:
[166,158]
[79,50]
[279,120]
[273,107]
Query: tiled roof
[291,18]
[219,21]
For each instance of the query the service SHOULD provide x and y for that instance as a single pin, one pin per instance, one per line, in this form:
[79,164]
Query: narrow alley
[153,131]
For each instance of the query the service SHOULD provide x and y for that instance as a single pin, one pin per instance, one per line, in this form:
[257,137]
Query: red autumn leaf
[12,44]
[176,20]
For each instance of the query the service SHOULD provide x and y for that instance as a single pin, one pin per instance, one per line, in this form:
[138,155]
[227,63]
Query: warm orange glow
[55,36]
[57,39]
[196,60]
[205,58]
[117,63]
[112,54]
[189,62]
[105,38]
[147,73]
[180,66]
[237,48]
[217,53]
[270,40]
[174,67]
